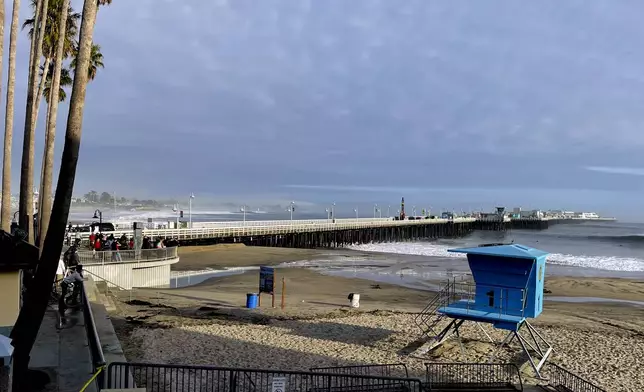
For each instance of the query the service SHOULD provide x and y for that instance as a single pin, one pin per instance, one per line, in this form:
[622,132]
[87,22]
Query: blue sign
[266,279]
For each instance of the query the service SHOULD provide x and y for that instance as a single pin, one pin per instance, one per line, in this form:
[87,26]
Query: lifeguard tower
[505,291]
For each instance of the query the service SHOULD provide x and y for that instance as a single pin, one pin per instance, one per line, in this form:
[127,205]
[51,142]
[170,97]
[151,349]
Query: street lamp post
[388,207]
[333,211]
[192,196]
[175,209]
[375,209]
[291,208]
[413,210]
[328,213]
[98,214]
[356,211]
[243,209]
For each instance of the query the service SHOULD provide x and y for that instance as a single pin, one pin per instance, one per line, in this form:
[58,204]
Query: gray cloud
[251,96]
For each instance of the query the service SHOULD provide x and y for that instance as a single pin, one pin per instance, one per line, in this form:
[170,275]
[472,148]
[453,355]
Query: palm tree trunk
[52,115]
[41,88]
[31,314]
[5,206]
[28,146]
[41,232]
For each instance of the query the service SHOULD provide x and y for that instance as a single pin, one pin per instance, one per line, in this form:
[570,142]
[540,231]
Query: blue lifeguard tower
[505,291]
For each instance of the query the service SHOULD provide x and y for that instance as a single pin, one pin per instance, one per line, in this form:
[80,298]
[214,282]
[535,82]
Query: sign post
[283,293]
[267,283]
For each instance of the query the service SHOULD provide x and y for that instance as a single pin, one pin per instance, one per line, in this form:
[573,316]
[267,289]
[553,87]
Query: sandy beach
[207,324]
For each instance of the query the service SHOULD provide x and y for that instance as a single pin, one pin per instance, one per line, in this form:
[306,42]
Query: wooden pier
[327,233]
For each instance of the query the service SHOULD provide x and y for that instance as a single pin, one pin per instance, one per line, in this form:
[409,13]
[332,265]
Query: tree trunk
[31,315]
[5,206]
[41,88]
[28,145]
[52,114]
[41,233]
[43,78]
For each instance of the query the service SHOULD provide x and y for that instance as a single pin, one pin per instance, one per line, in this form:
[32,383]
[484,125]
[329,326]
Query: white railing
[125,256]
[282,222]
[285,227]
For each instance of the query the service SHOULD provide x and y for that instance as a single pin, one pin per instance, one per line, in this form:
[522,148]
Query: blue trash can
[251,300]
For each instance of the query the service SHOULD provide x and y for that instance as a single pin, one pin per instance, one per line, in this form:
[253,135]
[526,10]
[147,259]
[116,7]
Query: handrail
[564,380]
[127,256]
[108,281]
[96,350]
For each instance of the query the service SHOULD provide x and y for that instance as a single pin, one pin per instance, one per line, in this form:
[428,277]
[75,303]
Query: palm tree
[52,32]
[96,61]
[28,145]
[52,115]
[31,314]
[55,29]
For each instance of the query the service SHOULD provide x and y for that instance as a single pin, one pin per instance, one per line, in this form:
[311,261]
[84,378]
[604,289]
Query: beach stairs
[429,318]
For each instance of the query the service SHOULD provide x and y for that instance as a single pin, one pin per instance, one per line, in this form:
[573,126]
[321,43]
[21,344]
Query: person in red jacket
[92,238]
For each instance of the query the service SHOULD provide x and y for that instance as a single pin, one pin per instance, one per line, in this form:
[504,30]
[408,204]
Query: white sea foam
[121,217]
[609,263]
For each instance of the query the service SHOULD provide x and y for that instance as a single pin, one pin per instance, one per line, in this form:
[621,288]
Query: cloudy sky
[449,103]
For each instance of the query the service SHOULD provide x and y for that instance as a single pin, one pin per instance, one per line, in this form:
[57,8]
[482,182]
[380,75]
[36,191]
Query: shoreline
[234,259]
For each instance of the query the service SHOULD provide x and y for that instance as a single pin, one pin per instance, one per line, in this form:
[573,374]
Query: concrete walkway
[63,354]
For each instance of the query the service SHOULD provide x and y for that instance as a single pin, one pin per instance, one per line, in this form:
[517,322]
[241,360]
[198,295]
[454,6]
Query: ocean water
[609,249]
[609,246]
[125,216]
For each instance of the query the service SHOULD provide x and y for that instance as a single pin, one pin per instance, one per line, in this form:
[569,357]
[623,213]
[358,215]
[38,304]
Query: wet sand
[207,324]
[194,258]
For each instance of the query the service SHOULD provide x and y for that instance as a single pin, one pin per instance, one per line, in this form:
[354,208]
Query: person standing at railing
[123,241]
[160,244]
[92,238]
[97,246]
[116,256]
[130,244]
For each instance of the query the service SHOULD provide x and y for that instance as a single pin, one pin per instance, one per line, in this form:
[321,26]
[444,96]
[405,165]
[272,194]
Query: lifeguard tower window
[490,300]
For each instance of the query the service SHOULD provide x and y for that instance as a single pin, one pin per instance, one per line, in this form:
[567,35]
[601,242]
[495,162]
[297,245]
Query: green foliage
[95,61]
[65,80]
[52,30]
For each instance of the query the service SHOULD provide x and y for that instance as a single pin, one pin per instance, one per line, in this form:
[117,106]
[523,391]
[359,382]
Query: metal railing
[231,229]
[176,378]
[95,347]
[281,222]
[121,256]
[386,370]
[473,376]
[464,294]
[563,380]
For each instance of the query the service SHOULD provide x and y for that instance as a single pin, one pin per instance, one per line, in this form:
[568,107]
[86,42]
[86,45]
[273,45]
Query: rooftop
[515,251]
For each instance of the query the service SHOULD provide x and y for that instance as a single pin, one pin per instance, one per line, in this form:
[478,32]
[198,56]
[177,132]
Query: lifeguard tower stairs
[505,291]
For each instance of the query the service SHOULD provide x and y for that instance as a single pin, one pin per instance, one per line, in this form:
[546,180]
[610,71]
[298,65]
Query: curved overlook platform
[144,268]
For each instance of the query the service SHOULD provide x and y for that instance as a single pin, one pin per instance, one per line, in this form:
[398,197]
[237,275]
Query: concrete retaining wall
[126,275]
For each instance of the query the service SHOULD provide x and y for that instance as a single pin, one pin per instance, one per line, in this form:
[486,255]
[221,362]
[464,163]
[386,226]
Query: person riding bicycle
[75,276]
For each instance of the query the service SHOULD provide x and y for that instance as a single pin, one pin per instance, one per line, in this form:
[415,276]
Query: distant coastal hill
[106,199]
